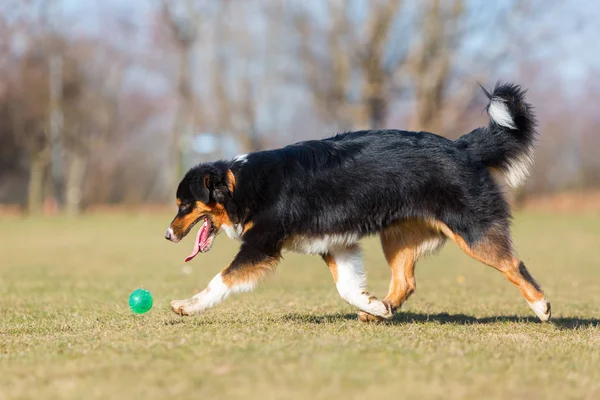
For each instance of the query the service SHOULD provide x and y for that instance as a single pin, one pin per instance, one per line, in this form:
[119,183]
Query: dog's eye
[184,207]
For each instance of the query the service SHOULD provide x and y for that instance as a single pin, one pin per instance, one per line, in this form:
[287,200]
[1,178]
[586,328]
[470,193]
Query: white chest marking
[233,231]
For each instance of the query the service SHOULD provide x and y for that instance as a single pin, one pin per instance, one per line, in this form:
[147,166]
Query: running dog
[413,189]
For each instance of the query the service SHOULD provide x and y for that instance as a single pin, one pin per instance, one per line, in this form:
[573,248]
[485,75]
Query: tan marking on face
[178,201]
[230,181]
[181,225]
[219,216]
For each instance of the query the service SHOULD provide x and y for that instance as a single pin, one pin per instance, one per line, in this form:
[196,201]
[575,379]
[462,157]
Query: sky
[569,47]
[573,24]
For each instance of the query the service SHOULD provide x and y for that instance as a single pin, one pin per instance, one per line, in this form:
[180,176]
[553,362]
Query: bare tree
[184,29]
[378,75]
[26,92]
[430,62]
[331,72]
[29,118]
[90,104]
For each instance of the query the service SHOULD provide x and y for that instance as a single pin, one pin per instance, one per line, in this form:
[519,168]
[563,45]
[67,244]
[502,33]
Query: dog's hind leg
[242,275]
[402,245]
[346,266]
[495,249]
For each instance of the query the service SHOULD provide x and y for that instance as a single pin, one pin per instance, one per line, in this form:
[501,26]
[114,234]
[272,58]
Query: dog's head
[204,195]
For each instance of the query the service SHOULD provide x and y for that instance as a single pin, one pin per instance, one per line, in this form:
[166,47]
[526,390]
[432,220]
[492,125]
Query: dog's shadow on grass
[403,318]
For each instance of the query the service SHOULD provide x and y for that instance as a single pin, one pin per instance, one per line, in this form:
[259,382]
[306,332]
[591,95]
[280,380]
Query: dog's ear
[201,188]
[223,194]
[210,187]
[218,189]
[213,188]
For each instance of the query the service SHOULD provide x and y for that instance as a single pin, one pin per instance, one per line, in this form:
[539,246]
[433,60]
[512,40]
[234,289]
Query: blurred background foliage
[109,101]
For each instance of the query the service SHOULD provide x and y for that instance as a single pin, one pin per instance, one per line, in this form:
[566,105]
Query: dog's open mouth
[204,239]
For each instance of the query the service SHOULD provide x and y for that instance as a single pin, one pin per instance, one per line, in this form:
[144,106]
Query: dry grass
[66,331]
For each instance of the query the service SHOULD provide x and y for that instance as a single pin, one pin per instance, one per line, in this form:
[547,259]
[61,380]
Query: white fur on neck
[243,158]
[233,231]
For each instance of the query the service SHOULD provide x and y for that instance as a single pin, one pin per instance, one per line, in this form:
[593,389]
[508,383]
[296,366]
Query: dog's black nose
[168,234]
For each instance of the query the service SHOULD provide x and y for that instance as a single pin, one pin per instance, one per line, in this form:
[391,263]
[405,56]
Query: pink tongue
[200,240]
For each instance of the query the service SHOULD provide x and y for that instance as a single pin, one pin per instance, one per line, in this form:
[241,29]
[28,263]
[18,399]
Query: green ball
[140,301]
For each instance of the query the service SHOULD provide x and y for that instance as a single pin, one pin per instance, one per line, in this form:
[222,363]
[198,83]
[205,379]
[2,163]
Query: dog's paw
[366,317]
[383,311]
[542,309]
[183,307]
[372,305]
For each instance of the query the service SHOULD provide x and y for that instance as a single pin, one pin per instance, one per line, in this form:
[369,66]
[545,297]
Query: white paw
[542,309]
[378,308]
[183,307]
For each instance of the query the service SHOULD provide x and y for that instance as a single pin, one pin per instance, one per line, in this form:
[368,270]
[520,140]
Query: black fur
[365,181]
[496,146]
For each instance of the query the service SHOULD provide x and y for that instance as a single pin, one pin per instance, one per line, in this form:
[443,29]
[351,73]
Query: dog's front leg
[248,268]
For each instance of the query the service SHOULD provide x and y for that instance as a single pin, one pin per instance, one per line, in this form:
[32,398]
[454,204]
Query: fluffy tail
[508,142]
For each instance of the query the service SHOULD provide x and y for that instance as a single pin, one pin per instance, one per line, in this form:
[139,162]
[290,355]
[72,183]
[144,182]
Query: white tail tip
[500,114]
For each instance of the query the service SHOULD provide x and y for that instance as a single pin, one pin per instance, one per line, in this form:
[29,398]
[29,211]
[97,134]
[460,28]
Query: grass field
[66,330]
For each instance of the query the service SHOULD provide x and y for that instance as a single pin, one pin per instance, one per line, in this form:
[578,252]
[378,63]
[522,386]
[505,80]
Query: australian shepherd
[413,189]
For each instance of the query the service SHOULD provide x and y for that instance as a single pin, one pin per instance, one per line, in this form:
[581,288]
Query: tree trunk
[74,183]
[377,106]
[55,127]
[35,188]
[182,124]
